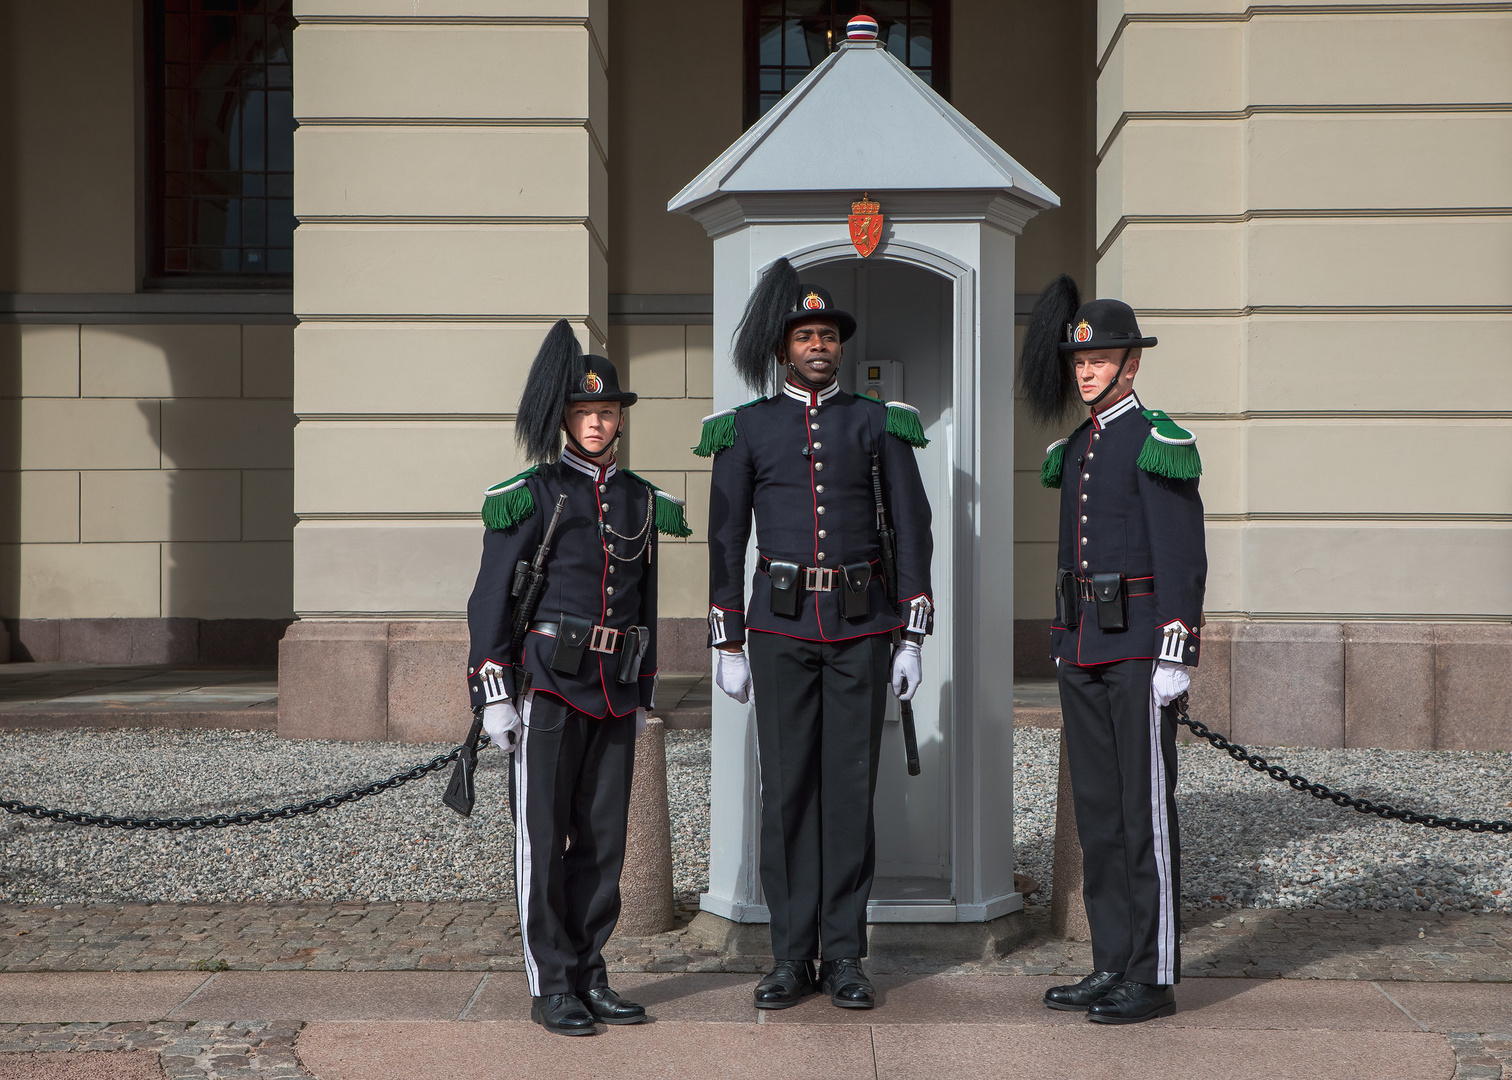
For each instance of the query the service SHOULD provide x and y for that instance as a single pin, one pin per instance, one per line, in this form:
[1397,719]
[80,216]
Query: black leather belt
[814,578]
[603,639]
[1136,586]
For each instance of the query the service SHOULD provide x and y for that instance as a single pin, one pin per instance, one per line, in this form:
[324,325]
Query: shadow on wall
[10,359]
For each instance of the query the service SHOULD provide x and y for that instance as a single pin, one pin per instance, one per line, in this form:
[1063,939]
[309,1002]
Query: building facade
[202,440]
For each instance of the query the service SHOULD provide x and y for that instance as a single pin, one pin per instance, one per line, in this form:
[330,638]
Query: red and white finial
[861,28]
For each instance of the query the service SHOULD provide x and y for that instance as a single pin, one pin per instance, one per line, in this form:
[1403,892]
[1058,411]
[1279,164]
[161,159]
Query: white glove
[1169,682]
[640,722]
[502,722]
[907,670]
[733,675]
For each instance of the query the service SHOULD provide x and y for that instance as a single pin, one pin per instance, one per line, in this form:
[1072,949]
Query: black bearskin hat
[1044,377]
[778,301]
[561,374]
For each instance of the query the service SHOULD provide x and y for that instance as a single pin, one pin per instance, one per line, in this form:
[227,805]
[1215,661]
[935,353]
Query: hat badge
[813,302]
[592,384]
[1083,332]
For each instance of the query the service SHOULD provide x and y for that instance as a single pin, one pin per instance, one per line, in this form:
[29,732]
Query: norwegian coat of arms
[866,225]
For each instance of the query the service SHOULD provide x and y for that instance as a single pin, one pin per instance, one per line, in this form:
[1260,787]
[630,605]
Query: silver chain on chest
[644,536]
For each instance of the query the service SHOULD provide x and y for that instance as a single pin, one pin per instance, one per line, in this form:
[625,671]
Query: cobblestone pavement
[482,936]
[263,1049]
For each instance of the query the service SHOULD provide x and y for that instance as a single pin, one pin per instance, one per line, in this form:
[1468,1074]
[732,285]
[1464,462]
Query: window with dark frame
[220,129]
[786,39]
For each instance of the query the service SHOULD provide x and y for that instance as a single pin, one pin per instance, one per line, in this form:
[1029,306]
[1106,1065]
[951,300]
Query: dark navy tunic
[1116,517]
[801,461]
[587,575]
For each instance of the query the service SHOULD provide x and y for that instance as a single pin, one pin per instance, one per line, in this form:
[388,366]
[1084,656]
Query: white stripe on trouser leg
[522,846]
[1165,948]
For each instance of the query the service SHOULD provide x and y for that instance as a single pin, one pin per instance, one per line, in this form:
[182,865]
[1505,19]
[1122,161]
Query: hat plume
[1044,377]
[558,367]
[760,332]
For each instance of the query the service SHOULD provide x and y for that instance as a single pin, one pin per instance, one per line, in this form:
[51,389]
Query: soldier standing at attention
[824,639]
[1129,588]
[590,658]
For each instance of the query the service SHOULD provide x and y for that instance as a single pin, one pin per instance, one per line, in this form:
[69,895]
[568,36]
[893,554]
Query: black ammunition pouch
[1111,595]
[787,593]
[855,594]
[633,648]
[572,637]
[1067,600]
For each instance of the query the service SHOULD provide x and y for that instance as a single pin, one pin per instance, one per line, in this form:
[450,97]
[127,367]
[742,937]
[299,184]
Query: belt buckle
[819,578]
[1084,589]
[603,640]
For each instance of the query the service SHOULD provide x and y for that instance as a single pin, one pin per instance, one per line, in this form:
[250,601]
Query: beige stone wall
[451,182]
[146,463]
[149,473]
[671,368]
[1311,209]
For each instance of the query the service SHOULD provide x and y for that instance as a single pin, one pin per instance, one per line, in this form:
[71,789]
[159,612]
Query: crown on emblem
[1083,331]
[865,206]
[814,302]
[592,384]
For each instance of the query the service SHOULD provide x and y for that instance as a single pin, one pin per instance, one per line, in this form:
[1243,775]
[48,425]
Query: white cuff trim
[920,612]
[717,633]
[1173,642]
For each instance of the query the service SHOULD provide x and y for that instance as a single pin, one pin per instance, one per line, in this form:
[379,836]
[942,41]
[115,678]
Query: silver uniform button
[813,427]
[604,507]
[1090,455]
[1085,476]
[610,589]
[822,534]
[603,487]
[813,412]
[611,546]
[1084,541]
[1084,499]
[1084,564]
[818,446]
[821,556]
[818,464]
[820,489]
[611,568]
[610,611]
[821,509]
[1095,436]
[1084,519]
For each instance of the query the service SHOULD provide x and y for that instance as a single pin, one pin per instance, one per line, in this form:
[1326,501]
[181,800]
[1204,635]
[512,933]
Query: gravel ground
[1247,841]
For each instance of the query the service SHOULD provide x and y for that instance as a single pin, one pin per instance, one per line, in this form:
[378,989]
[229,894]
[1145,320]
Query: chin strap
[583,451]
[795,373]
[1112,382]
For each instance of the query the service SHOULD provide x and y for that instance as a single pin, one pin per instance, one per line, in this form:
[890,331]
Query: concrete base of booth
[888,942]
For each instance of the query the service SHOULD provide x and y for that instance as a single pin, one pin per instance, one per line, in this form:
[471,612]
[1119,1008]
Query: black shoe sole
[620,1021]
[1064,1008]
[847,1003]
[567,1031]
[783,1004]
[1164,1010]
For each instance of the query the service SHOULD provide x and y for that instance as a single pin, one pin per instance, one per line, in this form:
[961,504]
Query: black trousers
[569,791]
[819,712]
[1123,779]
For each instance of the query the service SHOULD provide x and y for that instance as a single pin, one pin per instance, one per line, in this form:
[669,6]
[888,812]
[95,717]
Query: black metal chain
[244,817]
[1322,791]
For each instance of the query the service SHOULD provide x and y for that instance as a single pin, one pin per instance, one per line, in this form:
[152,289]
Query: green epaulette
[507,504]
[903,422]
[670,517]
[1054,465]
[719,430]
[1170,450]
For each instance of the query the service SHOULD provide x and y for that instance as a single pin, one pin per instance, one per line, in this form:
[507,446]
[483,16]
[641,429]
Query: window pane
[224,153]
[919,42]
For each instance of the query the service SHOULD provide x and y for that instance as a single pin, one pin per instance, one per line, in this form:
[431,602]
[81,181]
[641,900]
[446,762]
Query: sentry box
[935,304]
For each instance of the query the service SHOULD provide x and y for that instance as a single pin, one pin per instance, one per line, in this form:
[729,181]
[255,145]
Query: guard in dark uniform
[824,638]
[591,655]
[1129,587]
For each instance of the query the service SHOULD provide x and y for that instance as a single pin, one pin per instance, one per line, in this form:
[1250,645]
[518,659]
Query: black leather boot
[1077,996]
[609,1008]
[1133,1003]
[846,983]
[788,983]
[562,1014]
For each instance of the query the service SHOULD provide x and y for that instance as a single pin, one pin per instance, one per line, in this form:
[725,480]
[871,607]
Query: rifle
[526,589]
[887,540]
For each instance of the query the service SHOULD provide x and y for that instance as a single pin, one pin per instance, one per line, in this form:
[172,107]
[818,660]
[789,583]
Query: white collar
[1125,405]
[572,459]
[807,396]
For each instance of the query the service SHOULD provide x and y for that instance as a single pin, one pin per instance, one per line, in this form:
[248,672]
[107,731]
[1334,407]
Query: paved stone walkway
[484,936]
[63,695]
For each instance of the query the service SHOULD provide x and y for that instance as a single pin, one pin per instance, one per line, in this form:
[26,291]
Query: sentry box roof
[883,130]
